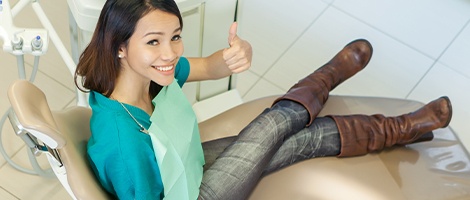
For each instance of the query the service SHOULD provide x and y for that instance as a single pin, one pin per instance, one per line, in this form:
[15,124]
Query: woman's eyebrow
[162,33]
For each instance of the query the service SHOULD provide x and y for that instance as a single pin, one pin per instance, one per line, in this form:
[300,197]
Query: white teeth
[168,68]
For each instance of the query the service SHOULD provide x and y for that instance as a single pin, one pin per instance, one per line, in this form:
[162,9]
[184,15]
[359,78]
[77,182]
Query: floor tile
[5,195]
[384,76]
[245,81]
[9,74]
[270,28]
[415,23]
[11,143]
[456,56]
[440,81]
[262,88]
[59,193]
[26,186]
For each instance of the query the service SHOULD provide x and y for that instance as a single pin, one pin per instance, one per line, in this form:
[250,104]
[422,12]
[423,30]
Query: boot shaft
[313,91]
[361,134]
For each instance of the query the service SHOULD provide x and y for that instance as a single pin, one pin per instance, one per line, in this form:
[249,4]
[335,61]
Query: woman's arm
[235,59]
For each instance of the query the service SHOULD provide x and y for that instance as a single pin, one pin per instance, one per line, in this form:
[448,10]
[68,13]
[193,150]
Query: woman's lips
[164,68]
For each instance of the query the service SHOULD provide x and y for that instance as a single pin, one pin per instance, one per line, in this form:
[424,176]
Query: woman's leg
[246,161]
[318,140]
[212,149]
[238,169]
[360,134]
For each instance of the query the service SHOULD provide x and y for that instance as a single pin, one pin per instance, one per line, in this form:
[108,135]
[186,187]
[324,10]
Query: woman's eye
[176,38]
[153,42]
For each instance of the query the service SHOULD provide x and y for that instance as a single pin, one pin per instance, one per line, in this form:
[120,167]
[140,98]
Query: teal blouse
[121,156]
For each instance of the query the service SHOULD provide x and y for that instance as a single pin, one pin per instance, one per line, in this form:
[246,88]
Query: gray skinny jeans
[275,139]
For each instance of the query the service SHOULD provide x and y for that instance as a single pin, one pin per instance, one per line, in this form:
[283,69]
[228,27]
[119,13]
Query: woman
[136,50]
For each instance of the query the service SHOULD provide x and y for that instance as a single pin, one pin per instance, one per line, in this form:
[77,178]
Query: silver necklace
[142,128]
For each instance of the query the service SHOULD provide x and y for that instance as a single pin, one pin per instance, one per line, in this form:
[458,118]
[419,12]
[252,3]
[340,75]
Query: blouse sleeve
[182,71]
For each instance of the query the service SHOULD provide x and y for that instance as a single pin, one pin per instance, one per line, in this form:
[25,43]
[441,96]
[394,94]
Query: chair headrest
[32,110]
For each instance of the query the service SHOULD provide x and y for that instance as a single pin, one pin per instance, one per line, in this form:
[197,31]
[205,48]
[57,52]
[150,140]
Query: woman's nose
[168,52]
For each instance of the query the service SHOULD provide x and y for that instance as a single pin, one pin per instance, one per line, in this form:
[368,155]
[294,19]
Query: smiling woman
[128,61]
[134,69]
[150,54]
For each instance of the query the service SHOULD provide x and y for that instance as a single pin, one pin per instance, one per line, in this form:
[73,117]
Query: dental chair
[432,170]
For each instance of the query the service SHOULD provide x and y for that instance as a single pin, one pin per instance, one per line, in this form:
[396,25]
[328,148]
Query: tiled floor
[421,52]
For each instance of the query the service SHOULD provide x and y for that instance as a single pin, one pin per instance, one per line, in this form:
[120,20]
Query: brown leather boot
[361,134]
[313,91]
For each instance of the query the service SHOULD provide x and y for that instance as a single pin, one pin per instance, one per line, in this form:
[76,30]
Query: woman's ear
[122,52]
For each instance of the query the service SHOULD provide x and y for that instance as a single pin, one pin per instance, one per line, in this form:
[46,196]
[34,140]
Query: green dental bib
[175,137]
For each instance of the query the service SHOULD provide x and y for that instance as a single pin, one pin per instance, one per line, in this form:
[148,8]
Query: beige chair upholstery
[433,170]
[70,129]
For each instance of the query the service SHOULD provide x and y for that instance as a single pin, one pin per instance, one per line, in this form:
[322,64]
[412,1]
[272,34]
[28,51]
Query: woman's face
[154,48]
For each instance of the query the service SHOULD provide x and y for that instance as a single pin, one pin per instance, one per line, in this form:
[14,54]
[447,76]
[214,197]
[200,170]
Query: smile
[163,68]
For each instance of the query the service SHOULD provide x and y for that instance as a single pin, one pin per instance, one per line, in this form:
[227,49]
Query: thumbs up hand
[238,56]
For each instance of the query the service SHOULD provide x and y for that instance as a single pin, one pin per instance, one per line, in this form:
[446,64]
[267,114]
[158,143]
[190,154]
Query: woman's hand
[238,55]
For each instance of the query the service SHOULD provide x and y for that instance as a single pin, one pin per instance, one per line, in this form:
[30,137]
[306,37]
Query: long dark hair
[99,64]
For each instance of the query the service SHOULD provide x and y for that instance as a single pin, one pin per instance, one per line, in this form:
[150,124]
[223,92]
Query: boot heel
[425,137]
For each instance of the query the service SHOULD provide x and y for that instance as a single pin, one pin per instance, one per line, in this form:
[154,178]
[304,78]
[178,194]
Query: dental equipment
[18,42]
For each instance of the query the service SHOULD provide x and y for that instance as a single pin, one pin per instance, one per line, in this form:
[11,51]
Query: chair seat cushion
[439,169]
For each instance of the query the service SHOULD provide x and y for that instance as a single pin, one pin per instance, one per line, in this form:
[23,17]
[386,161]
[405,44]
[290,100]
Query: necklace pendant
[144,130]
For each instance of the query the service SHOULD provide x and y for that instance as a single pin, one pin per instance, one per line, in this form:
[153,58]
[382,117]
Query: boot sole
[449,106]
